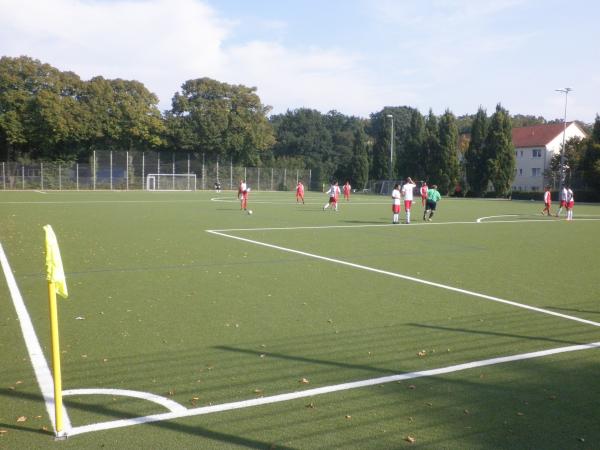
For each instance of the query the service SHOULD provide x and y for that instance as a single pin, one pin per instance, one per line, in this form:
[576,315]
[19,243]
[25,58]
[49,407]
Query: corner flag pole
[55,356]
[57,284]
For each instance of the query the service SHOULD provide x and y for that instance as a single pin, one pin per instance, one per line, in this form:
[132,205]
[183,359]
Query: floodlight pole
[562,151]
[391,146]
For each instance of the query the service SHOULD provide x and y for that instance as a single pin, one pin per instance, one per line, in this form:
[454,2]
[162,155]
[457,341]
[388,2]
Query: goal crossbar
[171,182]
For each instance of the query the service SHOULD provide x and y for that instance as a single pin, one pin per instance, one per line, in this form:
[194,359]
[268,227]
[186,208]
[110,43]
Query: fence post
[143,169]
[77,175]
[127,170]
[258,182]
[110,170]
[3,177]
[59,177]
[231,173]
[285,177]
[94,169]
[203,171]
[271,178]
[23,177]
[188,172]
[309,178]
[42,175]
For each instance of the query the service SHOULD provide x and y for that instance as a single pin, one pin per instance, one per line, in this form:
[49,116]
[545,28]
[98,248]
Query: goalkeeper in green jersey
[433,196]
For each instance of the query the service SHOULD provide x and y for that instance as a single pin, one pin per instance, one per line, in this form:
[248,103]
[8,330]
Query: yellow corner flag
[55,275]
[54,267]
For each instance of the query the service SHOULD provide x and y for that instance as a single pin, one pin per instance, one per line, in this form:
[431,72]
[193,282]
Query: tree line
[48,114]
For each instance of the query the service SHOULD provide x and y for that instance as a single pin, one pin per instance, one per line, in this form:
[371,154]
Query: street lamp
[391,146]
[562,151]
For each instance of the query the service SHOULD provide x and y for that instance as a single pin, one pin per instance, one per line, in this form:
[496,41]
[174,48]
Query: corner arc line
[171,405]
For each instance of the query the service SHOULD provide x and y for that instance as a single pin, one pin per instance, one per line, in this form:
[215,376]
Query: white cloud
[163,43]
[159,42]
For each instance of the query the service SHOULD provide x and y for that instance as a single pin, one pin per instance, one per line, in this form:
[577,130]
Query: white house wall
[524,179]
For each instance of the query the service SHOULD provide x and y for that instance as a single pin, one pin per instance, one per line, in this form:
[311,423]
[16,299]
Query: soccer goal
[171,182]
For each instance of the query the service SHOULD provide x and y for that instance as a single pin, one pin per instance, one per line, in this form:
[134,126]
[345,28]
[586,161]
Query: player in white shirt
[563,200]
[570,202]
[334,195]
[407,193]
[396,204]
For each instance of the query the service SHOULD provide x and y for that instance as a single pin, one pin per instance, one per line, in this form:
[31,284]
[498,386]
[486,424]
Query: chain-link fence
[112,170]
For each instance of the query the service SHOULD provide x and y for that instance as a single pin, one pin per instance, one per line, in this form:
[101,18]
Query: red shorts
[396,209]
[407,204]
[563,203]
[570,204]
[332,200]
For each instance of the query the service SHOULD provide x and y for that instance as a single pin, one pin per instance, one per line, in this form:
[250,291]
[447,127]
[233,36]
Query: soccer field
[190,324]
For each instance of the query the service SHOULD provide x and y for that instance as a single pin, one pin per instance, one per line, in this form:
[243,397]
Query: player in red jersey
[347,189]
[424,189]
[300,192]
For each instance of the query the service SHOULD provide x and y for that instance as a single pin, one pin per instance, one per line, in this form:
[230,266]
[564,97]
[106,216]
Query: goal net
[171,182]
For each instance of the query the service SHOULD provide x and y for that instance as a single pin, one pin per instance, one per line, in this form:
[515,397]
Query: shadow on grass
[496,333]
[555,308]
[306,360]
[168,425]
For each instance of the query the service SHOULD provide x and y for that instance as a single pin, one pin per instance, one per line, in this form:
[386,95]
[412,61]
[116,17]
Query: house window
[521,153]
[536,172]
[537,153]
[520,171]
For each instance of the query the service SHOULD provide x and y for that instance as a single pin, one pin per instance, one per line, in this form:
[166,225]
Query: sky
[352,56]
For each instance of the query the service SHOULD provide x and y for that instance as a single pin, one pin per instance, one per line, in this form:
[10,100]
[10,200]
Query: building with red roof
[534,148]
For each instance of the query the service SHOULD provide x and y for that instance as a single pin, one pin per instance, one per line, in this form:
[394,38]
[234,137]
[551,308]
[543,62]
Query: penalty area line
[409,278]
[324,390]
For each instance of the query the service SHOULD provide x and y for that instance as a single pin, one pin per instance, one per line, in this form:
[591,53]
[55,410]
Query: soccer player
[433,196]
[570,202]
[407,193]
[300,192]
[424,193]
[243,190]
[547,201]
[347,188]
[396,204]
[334,195]
[563,200]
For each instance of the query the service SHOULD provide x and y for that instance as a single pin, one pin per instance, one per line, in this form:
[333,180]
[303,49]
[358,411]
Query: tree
[449,169]
[500,152]
[359,169]
[122,115]
[475,161]
[380,130]
[40,115]
[221,120]
[591,159]
[303,133]
[413,158]
[431,153]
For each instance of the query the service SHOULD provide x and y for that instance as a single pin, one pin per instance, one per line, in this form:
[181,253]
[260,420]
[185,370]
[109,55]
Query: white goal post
[171,182]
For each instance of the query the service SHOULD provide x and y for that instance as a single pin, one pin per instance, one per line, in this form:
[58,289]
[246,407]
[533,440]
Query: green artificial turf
[310,298]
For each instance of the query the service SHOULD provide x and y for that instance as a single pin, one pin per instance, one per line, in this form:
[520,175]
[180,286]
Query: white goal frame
[171,182]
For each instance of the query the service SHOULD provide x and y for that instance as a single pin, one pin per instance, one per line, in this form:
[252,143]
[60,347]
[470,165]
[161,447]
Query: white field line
[75,202]
[479,221]
[324,390]
[169,404]
[409,278]
[36,355]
